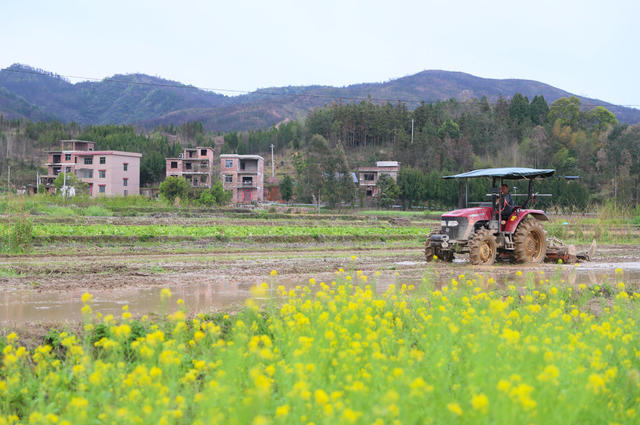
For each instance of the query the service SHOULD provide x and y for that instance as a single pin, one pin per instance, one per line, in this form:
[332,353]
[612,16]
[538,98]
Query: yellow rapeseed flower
[480,402]
[282,411]
[595,383]
[455,409]
[321,397]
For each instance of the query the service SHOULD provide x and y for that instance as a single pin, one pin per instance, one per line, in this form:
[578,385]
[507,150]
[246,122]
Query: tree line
[432,140]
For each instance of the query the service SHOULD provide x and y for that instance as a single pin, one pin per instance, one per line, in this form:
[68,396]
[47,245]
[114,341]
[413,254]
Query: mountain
[150,101]
[118,99]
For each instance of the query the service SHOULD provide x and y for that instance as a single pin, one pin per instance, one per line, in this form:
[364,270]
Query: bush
[173,187]
[216,195]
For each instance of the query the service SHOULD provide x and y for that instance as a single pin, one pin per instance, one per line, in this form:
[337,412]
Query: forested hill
[150,101]
[118,99]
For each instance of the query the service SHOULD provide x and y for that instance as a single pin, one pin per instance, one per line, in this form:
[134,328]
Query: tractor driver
[506,203]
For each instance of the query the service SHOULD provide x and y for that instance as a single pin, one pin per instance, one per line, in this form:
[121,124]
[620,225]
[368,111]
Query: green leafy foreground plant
[339,352]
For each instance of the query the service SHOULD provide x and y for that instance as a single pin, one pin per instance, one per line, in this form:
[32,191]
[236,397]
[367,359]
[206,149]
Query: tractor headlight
[443,223]
[452,223]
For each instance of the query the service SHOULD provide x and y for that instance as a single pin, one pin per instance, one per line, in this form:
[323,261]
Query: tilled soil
[48,287]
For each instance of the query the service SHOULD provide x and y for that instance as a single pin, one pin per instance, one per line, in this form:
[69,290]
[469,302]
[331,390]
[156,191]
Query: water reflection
[30,305]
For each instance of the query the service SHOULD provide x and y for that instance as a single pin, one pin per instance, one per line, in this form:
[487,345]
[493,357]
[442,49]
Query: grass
[340,352]
[577,232]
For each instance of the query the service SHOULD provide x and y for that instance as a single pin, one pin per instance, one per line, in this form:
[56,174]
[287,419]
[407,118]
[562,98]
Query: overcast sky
[590,48]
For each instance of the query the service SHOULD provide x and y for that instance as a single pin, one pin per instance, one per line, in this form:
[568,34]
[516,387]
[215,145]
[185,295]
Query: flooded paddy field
[46,288]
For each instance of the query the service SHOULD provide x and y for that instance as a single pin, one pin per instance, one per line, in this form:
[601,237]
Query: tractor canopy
[505,173]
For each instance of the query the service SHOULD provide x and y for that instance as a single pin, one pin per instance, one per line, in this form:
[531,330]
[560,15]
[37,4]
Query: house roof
[505,173]
[377,169]
[230,155]
[120,153]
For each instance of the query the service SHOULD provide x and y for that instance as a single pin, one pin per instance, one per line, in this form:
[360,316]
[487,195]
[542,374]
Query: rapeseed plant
[341,352]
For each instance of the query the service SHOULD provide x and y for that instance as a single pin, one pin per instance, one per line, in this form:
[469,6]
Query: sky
[586,47]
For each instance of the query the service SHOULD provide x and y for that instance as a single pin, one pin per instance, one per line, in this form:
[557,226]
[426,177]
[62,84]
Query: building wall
[370,185]
[194,156]
[243,193]
[114,173]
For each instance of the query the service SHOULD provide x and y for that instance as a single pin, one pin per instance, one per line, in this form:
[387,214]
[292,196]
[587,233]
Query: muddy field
[45,289]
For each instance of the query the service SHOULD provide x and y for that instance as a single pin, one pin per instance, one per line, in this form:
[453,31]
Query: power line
[257,92]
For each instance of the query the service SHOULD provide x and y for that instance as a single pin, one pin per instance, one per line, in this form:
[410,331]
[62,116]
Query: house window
[88,160]
[204,164]
[103,160]
[67,157]
[174,164]
[369,191]
[67,170]
[228,163]
[369,177]
[102,173]
[195,182]
[203,179]
[102,188]
[125,182]
[56,159]
[203,152]
[125,166]
[228,178]
[188,165]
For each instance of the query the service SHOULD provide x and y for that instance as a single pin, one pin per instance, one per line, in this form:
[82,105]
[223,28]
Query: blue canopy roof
[505,173]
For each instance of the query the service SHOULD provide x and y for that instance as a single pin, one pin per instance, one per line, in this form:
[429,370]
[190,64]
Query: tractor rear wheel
[530,241]
[482,248]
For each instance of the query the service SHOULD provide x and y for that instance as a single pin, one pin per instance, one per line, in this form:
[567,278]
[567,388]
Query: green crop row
[57,229]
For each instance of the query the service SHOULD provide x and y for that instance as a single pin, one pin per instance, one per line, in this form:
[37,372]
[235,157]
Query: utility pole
[412,131]
[64,185]
[8,177]
[272,163]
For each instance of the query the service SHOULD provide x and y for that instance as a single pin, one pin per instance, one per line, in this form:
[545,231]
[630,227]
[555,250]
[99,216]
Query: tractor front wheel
[530,241]
[482,248]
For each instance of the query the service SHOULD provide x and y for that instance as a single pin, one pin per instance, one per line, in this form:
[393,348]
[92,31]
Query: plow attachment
[557,250]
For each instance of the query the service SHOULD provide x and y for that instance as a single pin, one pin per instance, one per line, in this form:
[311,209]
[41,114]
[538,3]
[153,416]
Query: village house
[243,175]
[106,173]
[195,165]
[368,176]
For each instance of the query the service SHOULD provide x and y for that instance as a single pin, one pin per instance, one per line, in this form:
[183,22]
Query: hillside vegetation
[149,101]
[448,137]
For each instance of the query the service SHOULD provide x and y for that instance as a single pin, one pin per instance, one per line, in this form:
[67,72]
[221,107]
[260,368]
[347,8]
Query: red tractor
[485,232]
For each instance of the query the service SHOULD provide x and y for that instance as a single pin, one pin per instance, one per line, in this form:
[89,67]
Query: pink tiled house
[107,173]
[195,165]
[243,175]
